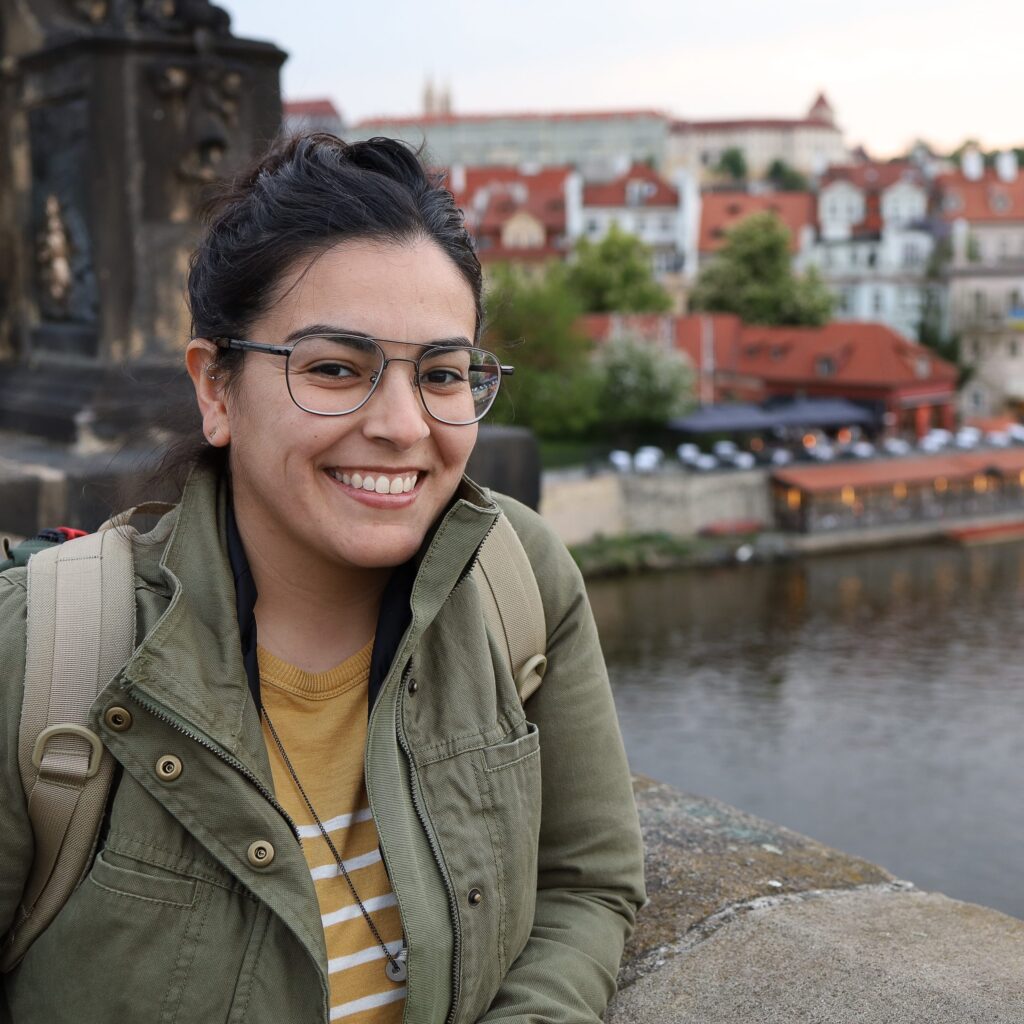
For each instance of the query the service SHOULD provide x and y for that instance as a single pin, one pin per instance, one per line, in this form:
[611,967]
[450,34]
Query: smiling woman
[332,801]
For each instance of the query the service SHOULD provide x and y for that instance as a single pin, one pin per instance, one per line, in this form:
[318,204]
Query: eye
[332,371]
[440,376]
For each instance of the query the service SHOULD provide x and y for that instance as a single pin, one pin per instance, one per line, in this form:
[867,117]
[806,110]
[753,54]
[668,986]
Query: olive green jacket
[174,922]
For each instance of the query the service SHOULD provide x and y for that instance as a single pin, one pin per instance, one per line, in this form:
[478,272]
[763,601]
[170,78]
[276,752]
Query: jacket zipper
[157,712]
[421,813]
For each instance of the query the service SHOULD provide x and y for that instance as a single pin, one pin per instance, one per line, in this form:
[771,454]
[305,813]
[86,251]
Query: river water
[874,701]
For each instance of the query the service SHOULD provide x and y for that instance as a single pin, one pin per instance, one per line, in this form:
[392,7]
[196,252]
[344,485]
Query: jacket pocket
[510,785]
[110,873]
[126,942]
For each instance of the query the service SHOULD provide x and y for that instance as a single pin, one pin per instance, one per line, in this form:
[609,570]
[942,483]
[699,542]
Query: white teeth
[379,484]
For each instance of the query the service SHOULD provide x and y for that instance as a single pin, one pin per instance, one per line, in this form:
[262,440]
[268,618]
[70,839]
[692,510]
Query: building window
[825,366]
[879,301]
[593,226]
[1014,348]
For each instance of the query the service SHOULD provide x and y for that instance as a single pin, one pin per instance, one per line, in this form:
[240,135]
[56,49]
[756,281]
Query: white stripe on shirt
[351,911]
[364,956]
[336,824]
[354,864]
[367,1003]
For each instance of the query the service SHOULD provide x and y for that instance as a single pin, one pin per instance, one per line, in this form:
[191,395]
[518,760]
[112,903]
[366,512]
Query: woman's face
[287,464]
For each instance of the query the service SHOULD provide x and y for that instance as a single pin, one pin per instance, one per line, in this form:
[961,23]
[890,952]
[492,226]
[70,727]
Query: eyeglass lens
[332,375]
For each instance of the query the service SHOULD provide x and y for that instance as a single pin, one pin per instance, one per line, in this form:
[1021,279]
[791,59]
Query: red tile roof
[869,358]
[573,115]
[616,192]
[874,176]
[311,108]
[751,123]
[842,351]
[721,211]
[987,200]
[888,473]
[491,195]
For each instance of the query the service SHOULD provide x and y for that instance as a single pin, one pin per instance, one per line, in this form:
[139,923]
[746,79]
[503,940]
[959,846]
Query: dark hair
[305,195]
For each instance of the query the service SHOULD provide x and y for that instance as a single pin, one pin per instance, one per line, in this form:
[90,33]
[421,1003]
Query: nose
[395,412]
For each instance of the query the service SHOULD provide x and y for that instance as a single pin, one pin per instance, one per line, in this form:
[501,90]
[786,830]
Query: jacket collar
[193,660]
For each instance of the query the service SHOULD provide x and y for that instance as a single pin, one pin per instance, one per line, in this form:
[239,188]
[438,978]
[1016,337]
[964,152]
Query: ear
[200,360]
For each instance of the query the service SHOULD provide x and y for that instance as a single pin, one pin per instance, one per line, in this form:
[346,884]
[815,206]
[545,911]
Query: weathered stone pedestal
[115,116]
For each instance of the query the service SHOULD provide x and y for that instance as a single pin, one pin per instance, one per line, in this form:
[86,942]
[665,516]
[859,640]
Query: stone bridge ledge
[750,922]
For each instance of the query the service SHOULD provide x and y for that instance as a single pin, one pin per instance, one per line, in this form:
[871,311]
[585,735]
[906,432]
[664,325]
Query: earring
[211,375]
[212,434]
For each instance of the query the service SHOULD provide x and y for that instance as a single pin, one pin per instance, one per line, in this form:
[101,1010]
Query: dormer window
[825,366]
[637,192]
[923,367]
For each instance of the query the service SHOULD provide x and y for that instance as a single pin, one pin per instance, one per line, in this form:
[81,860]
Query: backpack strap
[80,632]
[512,606]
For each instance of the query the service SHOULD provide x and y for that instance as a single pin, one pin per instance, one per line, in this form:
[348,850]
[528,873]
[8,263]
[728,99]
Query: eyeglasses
[335,374]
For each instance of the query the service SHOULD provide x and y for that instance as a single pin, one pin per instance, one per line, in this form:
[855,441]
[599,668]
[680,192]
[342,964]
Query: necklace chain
[394,963]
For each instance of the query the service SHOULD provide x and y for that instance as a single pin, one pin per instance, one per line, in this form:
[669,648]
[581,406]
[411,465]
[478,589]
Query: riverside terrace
[816,499]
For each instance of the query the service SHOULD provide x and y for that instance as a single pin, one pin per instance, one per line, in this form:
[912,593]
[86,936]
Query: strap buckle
[96,745]
[530,674]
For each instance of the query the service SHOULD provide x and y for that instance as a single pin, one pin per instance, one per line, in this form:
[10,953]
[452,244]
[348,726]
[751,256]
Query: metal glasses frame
[286,350]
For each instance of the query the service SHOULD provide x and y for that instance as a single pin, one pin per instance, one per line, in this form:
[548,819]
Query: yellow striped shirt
[321,720]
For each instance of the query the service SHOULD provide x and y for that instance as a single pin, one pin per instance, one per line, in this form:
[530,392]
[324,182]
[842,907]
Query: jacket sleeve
[15,831]
[590,865]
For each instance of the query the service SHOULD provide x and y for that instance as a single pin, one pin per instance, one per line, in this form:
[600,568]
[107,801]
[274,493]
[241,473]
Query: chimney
[1006,166]
[972,164]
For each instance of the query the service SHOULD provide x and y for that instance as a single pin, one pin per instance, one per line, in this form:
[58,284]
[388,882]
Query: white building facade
[587,139]
[807,144]
[983,209]
[874,244]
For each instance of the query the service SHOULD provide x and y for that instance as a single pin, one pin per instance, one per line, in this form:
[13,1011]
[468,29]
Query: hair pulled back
[307,194]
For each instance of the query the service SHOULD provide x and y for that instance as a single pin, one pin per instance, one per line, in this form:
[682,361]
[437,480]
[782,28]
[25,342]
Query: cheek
[456,446]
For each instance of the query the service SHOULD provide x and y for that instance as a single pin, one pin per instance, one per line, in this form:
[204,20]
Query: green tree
[614,275]
[931,330]
[786,178]
[641,386]
[732,164]
[753,277]
[533,325]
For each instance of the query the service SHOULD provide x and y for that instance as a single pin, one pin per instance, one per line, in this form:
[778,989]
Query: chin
[382,555]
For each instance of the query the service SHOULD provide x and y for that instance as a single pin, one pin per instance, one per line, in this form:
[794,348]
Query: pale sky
[894,70]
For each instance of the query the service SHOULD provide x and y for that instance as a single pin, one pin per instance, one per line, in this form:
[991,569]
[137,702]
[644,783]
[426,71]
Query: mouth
[376,482]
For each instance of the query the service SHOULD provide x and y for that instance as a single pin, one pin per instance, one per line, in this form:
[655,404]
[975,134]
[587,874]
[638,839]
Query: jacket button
[118,719]
[413,685]
[260,853]
[168,768]
[476,897]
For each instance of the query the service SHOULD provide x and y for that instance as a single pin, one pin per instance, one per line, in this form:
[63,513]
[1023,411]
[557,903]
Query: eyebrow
[313,329]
